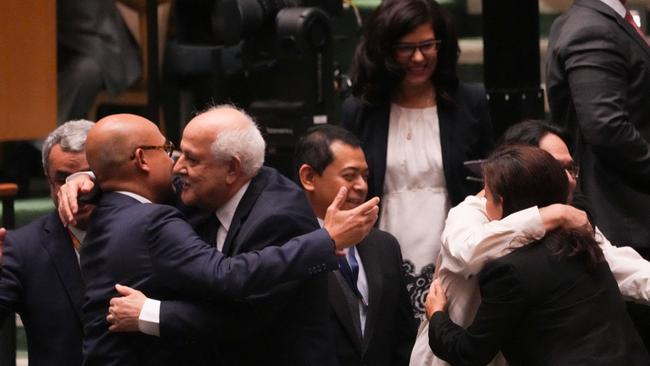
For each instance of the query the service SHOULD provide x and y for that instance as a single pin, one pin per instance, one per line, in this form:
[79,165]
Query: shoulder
[582,24]
[280,202]
[36,228]
[351,112]
[470,93]
[383,241]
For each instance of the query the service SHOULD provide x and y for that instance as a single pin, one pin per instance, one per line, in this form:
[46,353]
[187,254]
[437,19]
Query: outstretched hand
[68,194]
[349,227]
[124,312]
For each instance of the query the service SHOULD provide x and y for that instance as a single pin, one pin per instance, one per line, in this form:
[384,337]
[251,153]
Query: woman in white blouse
[417,124]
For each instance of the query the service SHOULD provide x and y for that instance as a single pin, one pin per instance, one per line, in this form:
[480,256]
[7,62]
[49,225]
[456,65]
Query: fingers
[437,287]
[367,207]
[68,206]
[339,199]
[124,290]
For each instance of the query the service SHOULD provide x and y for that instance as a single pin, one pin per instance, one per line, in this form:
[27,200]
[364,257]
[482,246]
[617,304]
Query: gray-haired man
[40,276]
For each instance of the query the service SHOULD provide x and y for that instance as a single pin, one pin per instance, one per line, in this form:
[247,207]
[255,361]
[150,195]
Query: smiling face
[420,65]
[347,169]
[204,178]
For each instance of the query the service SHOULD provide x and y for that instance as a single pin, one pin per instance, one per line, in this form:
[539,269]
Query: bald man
[255,207]
[134,241]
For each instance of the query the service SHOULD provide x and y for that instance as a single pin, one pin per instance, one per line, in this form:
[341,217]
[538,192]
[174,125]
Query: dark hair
[525,176]
[313,148]
[376,74]
[530,132]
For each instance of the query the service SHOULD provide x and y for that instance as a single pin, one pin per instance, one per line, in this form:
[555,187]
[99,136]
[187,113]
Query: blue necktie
[350,271]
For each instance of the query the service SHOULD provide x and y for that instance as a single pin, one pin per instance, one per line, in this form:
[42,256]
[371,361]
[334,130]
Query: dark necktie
[350,271]
[630,19]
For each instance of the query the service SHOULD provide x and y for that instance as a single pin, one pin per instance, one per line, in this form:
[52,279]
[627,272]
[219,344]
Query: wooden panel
[27,68]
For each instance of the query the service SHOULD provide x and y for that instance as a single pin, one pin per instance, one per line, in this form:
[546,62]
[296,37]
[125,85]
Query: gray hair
[247,144]
[71,136]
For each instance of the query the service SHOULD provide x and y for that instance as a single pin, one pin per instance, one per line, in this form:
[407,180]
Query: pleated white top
[415,200]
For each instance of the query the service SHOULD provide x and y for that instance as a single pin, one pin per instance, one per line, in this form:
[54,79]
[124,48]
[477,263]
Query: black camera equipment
[271,57]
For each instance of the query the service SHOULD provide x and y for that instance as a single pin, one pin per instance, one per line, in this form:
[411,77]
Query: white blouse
[415,200]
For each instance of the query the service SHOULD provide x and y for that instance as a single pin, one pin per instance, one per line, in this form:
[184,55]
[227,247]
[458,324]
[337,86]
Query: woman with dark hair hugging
[552,302]
[417,125]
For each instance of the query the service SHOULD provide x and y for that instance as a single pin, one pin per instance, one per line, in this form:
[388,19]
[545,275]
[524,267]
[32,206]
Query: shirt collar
[226,212]
[618,7]
[135,196]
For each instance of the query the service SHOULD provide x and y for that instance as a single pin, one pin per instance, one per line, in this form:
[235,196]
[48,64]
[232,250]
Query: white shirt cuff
[149,320]
[73,175]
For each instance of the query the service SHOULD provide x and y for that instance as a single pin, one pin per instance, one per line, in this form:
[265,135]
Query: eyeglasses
[427,48]
[572,168]
[168,147]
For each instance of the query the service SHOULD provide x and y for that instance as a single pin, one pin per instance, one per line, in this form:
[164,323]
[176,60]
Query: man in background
[598,82]
[371,319]
[40,277]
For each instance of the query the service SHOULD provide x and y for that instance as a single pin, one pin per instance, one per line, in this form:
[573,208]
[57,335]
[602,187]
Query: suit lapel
[58,244]
[244,207]
[372,267]
[339,303]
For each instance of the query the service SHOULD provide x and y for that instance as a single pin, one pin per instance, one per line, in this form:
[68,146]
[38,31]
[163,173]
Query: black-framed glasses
[168,148]
[427,48]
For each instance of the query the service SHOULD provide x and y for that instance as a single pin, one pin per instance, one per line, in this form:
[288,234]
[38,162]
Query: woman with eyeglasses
[551,302]
[417,124]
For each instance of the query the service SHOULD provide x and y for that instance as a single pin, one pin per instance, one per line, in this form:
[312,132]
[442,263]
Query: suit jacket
[539,309]
[95,29]
[150,247]
[41,281]
[465,134]
[598,80]
[390,325]
[287,325]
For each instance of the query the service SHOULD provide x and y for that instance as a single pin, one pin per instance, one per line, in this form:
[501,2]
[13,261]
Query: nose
[360,185]
[417,55]
[179,166]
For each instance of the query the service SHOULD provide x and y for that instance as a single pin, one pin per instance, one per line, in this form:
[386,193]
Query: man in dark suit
[95,51]
[40,276]
[598,80]
[371,320]
[151,248]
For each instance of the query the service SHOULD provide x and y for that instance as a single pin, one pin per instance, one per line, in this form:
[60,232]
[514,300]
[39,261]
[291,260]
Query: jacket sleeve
[502,306]
[470,239]
[597,71]
[185,263]
[255,313]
